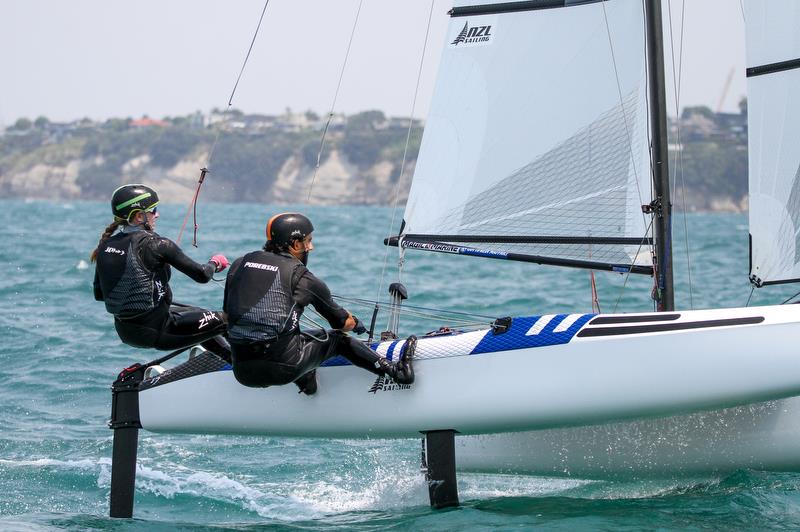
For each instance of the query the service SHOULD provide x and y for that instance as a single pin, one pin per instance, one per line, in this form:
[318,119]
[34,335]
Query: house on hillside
[146,121]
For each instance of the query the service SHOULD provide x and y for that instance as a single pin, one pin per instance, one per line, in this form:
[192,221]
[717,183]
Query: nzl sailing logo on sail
[473,35]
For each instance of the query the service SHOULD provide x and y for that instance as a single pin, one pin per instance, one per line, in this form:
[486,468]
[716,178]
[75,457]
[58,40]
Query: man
[132,279]
[265,294]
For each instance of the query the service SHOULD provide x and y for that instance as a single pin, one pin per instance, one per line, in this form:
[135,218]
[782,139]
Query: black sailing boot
[308,383]
[402,371]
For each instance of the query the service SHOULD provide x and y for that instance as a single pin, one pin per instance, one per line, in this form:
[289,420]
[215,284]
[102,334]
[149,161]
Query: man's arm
[310,290]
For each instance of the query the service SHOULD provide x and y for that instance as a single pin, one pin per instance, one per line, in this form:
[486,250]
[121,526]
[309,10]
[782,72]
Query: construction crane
[725,89]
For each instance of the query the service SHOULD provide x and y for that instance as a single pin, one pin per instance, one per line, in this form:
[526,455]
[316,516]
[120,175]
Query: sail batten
[538,128]
[772,68]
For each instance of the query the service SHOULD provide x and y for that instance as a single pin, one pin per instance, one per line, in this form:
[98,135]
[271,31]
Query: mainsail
[536,144]
[773,109]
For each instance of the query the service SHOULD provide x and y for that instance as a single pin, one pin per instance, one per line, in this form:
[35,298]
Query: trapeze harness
[265,295]
[132,279]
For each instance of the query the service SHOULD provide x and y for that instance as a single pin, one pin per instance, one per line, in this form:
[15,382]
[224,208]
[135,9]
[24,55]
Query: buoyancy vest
[260,301]
[129,289]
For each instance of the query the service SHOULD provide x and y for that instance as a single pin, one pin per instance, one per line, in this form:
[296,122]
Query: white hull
[546,373]
[763,436]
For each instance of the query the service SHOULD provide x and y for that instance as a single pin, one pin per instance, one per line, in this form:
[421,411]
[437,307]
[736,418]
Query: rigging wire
[443,318]
[369,302]
[403,164]
[205,170]
[333,103]
[678,166]
[628,273]
[783,303]
[630,149]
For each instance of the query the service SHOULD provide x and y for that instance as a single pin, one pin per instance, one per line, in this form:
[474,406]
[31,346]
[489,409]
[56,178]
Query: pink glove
[220,262]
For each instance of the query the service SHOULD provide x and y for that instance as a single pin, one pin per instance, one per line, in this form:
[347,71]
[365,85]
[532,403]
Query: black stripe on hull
[511,7]
[666,327]
[773,67]
[611,320]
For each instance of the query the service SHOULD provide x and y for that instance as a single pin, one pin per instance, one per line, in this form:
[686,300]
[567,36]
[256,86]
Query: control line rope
[405,153]
[192,207]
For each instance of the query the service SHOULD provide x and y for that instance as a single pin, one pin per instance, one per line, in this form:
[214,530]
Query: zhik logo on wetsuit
[473,35]
[116,251]
[207,318]
[159,290]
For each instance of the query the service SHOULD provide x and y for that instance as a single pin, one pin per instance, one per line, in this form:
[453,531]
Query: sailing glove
[220,262]
[359,328]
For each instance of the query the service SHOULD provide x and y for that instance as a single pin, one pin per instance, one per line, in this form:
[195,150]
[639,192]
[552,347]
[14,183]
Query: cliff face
[338,181]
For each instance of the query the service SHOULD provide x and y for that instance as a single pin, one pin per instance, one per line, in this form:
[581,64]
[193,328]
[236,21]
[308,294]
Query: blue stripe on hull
[517,336]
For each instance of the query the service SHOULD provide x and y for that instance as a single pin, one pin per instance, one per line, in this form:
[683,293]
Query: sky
[101,59]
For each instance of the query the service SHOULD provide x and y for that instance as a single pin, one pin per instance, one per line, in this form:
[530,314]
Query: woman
[132,279]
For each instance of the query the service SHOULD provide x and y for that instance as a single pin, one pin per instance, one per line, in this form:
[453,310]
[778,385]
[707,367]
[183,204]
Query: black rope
[204,170]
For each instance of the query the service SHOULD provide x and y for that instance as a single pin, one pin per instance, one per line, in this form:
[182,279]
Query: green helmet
[127,200]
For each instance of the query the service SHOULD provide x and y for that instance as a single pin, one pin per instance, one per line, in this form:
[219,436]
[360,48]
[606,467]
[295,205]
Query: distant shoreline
[275,159]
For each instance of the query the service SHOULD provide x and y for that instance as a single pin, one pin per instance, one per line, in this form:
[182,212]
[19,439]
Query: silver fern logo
[386,384]
[473,35]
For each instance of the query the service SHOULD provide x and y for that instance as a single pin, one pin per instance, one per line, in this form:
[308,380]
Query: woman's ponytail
[107,233]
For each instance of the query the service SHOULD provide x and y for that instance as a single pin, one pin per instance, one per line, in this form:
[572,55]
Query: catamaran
[546,143]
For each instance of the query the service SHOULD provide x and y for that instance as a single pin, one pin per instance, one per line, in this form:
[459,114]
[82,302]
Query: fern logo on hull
[474,35]
[386,384]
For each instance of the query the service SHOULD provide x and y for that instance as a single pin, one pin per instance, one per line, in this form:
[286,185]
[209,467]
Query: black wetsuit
[132,279]
[265,295]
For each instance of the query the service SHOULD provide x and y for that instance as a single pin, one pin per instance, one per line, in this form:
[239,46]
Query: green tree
[697,110]
[362,143]
[22,124]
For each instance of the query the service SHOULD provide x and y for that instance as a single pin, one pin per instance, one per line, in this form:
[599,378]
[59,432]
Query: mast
[662,203]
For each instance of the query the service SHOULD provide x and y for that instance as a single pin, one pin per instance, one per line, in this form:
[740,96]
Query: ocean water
[60,354]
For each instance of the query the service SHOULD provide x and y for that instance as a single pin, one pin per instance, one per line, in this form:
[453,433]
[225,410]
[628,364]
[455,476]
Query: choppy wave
[60,354]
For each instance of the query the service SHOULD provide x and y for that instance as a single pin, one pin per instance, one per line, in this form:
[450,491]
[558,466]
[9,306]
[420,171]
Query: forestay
[773,89]
[536,143]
